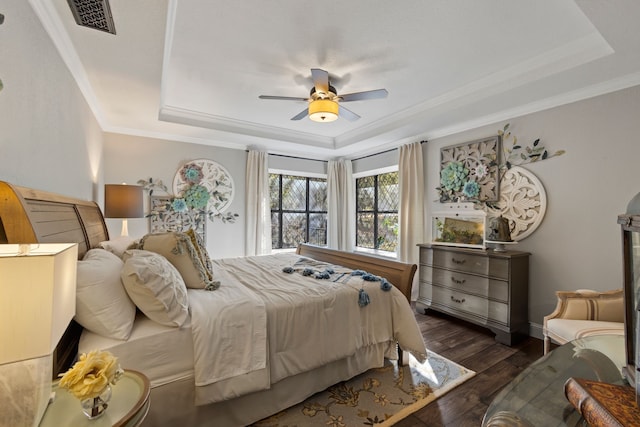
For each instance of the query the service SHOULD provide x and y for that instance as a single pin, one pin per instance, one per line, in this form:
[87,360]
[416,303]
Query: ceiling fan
[324,101]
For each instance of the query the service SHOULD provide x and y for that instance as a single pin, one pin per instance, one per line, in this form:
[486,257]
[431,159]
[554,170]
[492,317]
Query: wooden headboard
[34,216]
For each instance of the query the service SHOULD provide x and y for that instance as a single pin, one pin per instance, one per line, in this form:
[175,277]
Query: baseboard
[535,330]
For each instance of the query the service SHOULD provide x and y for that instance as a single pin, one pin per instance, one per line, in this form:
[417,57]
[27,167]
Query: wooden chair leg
[546,344]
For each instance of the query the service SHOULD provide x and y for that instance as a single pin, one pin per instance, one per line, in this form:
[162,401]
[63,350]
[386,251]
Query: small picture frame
[463,229]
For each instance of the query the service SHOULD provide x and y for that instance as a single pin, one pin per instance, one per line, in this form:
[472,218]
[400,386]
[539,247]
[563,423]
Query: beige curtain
[411,212]
[258,207]
[341,216]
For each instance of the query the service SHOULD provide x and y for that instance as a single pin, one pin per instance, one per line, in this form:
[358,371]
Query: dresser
[484,287]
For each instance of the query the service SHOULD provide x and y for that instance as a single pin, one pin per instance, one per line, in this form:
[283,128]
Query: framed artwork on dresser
[463,229]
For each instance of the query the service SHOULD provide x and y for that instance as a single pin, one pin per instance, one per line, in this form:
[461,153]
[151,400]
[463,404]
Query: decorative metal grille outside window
[298,210]
[377,199]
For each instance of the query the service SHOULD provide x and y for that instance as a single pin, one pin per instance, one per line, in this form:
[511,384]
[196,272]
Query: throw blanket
[229,332]
[309,323]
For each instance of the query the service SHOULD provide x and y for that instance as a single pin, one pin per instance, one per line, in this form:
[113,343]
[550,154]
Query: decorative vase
[94,407]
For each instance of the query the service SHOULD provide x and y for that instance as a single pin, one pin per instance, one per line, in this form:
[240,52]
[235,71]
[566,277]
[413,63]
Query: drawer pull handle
[458,281]
[459,301]
[458,261]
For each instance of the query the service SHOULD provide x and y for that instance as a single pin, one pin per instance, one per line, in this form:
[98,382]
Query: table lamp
[37,302]
[123,201]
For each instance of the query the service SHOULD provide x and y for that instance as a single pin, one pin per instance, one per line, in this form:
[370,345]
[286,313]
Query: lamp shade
[323,110]
[37,298]
[123,201]
[37,302]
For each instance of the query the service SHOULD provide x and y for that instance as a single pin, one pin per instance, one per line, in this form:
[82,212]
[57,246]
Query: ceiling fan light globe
[323,110]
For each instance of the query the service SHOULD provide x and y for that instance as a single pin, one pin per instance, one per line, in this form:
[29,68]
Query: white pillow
[156,287]
[102,304]
[118,245]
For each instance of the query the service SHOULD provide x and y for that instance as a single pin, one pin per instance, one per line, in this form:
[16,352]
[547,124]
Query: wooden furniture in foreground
[481,286]
[128,406]
[603,404]
[582,313]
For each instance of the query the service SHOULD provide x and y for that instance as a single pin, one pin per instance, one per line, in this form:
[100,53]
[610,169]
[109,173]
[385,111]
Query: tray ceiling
[193,70]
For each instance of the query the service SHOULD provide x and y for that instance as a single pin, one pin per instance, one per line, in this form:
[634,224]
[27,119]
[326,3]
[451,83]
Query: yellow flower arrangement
[91,374]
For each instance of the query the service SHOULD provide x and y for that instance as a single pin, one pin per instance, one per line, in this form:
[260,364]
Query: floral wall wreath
[203,189]
[472,172]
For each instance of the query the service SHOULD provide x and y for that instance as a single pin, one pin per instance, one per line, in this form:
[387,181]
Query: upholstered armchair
[583,313]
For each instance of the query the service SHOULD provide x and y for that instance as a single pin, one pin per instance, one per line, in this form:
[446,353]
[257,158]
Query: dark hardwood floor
[475,348]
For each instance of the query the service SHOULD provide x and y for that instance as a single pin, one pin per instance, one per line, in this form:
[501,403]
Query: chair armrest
[589,305]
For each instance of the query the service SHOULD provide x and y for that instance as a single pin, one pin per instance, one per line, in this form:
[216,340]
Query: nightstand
[128,406]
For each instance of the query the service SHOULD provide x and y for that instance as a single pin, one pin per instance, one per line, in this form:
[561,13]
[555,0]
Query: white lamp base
[125,228]
[25,388]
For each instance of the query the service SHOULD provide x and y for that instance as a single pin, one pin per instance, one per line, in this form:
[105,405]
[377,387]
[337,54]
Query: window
[298,210]
[377,211]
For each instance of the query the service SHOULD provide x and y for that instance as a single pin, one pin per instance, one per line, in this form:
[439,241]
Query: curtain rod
[325,161]
[383,152]
[295,157]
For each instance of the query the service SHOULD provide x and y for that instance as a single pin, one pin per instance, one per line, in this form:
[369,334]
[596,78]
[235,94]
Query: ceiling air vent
[94,14]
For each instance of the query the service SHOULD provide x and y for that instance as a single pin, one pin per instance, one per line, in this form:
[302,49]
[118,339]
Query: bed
[307,332]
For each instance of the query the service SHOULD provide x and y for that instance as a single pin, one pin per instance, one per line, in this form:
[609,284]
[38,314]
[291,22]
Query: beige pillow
[102,304]
[180,251]
[156,287]
[201,250]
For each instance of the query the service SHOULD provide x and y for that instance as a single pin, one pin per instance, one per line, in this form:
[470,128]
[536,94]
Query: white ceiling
[192,70]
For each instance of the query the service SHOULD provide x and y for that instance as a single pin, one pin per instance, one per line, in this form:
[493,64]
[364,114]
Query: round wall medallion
[523,201]
[214,177]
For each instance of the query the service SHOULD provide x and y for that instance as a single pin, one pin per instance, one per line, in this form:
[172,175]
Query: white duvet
[263,324]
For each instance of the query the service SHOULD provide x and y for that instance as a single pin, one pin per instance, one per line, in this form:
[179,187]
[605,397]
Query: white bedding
[311,322]
[163,353]
[263,325]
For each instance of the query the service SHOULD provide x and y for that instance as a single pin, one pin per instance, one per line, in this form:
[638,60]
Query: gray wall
[49,138]
[129,159]
[578,244]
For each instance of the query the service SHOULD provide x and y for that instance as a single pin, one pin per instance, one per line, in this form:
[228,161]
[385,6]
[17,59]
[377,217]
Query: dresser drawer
[469,263]
[458,301]
[478,285]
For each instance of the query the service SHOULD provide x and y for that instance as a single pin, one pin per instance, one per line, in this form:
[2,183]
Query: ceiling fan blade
[369,94]
[320,80]
[283,98]
[301,115]
[348,114]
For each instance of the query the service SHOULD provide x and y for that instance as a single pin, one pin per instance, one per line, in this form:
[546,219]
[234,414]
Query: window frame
[375,212]
[307,211]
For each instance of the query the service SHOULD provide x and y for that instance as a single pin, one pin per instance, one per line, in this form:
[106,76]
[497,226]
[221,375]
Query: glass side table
[128,406]
[536,396]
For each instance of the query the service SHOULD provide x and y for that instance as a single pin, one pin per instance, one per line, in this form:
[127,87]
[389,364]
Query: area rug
[379,397]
